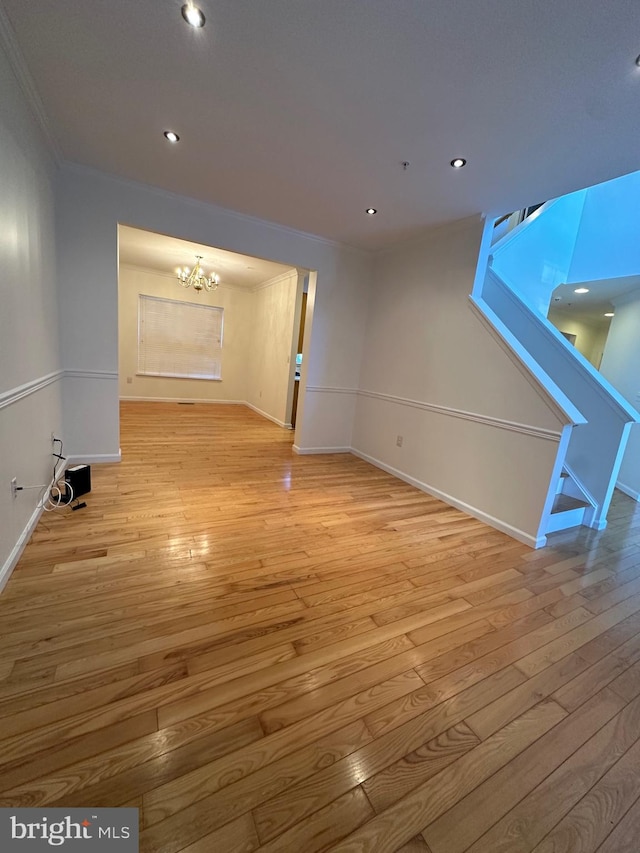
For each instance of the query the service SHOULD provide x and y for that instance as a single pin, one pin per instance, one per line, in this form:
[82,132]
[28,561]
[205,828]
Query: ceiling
[600,299]
[162,254]
[302,112]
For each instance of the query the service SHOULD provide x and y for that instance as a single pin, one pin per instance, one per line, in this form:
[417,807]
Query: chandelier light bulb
[197,278]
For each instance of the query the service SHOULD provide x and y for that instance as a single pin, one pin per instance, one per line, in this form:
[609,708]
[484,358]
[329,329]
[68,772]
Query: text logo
[79,830]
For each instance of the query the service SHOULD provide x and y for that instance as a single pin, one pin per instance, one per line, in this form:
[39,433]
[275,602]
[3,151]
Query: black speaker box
[79,479]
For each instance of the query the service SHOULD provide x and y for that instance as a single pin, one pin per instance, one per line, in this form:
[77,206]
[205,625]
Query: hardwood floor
[268,652]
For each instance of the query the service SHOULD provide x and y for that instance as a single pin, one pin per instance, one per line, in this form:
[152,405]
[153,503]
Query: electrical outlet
[399,440]
[129,380]
[14,487]
[53,437]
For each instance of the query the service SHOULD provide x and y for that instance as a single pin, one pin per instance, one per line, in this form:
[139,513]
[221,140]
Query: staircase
[569,506]
[599,434]
[523,268]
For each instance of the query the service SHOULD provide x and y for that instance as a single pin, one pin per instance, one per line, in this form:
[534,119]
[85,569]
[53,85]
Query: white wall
[90,206]
[268,356]
[476,427]
[600,343]
[535,257]
[621,366]
[607,244]
[30,397]
[238,315]
[590,337]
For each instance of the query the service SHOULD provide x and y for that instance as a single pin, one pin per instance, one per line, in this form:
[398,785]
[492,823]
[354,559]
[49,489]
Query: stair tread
[565,503]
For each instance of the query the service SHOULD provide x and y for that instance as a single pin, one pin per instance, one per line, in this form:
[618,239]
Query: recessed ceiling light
[171,136]
[609,314]
[371,211]
[458,162]
[581,290]
[192,15]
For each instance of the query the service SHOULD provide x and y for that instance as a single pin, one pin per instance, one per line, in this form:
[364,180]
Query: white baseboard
[207,402]
[308,451]
[267,416]
[181,400]
[632,493]
[93,459]
[498,524]
[18,548]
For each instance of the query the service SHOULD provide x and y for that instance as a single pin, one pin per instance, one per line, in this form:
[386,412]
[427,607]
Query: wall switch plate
[14,487]
[399,440]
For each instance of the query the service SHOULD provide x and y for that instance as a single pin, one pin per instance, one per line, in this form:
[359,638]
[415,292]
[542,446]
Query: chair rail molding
[91,374]
[449,411]
[7,398]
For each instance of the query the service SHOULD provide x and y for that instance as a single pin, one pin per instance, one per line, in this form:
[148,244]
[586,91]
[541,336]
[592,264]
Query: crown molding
[223,285]
[276,279]
[138,268]
[27,84]
[211,208]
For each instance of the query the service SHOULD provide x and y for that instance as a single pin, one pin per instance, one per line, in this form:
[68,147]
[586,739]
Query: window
[179,339]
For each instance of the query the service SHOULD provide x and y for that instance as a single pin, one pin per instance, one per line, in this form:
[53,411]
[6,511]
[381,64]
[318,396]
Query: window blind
[179,339]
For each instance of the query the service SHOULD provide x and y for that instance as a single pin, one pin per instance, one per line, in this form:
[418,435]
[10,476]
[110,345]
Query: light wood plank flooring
[268,652]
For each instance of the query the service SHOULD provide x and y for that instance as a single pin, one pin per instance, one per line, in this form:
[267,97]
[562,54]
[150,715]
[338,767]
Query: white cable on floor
[52,495]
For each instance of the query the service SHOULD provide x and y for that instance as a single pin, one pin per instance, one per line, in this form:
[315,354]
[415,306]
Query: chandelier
[197,279]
